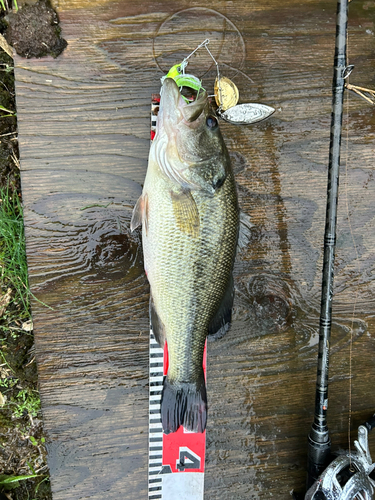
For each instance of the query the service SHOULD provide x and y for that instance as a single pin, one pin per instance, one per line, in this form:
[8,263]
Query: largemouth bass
[189,215]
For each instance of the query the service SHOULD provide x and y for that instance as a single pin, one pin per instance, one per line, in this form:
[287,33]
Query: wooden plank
[84,138]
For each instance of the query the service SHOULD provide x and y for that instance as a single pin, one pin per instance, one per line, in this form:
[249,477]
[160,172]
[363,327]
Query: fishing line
[356,292]
[350,228]
[347,99]
[369,96]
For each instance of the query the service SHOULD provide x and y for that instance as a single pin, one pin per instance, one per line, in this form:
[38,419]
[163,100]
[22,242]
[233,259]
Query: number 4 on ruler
[188,460]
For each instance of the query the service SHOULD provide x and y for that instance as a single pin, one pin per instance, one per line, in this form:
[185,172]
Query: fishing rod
[348,476]
[319,443]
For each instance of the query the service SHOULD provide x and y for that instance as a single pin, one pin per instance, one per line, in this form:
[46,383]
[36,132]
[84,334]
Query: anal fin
[156,324]
[220,323]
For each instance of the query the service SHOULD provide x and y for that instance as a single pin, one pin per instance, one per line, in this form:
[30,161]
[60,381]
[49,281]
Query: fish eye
[211,121]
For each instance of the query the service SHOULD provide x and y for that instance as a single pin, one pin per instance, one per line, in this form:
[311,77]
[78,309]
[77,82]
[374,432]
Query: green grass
[14,282]
[19,399]
[11,482]
[25,401]
[13,264]
[4,4]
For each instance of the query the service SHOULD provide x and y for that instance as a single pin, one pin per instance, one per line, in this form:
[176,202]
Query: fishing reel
[347,477]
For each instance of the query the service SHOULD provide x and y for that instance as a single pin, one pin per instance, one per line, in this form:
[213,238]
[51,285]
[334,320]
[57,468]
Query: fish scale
[175,311]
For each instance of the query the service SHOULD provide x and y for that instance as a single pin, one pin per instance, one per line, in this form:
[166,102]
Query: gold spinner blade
[226,93]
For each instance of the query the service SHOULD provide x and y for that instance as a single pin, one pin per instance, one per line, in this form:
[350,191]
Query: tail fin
[184,404]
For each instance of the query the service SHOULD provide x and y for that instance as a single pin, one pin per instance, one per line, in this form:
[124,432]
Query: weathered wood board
[84,122]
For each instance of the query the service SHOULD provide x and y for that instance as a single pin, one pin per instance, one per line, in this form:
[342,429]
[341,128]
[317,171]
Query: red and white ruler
[176,460]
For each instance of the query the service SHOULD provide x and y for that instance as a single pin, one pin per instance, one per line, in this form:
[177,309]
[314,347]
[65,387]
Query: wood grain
[84,121]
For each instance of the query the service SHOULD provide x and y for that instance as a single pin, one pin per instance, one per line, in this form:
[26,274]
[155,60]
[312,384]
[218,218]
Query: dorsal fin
[244,236]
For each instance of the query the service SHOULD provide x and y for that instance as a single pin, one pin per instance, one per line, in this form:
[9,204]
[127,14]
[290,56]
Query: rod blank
[319,443]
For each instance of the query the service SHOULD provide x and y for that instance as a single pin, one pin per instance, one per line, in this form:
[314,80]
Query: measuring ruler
[176,460]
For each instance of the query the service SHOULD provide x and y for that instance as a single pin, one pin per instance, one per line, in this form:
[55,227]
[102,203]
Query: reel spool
[347,477]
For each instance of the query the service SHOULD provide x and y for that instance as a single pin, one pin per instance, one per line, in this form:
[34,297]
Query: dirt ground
[34,31]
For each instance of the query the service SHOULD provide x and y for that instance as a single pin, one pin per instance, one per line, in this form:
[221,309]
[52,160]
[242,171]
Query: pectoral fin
[140,213]
[186,212]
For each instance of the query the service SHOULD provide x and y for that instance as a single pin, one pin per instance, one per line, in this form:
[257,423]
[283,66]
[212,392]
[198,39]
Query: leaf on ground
[5,46]
[27,326]
[4,301]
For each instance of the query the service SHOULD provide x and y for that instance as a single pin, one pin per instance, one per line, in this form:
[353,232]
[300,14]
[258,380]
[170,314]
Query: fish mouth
[175,109]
